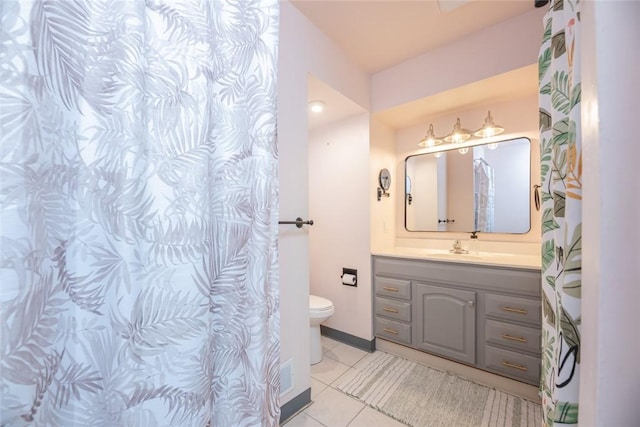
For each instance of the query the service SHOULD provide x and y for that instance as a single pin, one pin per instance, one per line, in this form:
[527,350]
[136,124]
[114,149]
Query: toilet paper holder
[349,277]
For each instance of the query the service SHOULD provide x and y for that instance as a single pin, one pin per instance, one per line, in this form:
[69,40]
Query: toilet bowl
[320,309]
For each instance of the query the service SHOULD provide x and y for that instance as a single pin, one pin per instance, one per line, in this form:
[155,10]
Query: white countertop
[531,262]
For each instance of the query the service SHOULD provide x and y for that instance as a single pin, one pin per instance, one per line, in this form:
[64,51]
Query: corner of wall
[383,213]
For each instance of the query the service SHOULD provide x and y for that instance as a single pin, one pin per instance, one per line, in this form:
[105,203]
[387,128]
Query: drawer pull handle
[512,338]
[511,365]
[390,289]
[391,331]
[390,310]
[514,310]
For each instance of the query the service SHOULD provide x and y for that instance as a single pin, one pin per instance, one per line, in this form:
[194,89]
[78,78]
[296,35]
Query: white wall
[519,118]
[339,204]
[610,344]
[303,49]
[383,213]
[504,47]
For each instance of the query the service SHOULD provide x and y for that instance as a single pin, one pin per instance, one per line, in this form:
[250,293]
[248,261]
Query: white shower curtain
[139,191]
[484,190]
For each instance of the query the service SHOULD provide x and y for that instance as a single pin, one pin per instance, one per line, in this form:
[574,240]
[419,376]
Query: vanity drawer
[513,364]
[513,308]
[395,288]
[392,330]
[398,310]
[513,336]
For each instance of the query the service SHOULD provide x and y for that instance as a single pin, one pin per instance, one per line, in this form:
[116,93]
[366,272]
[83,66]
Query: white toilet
[320,309]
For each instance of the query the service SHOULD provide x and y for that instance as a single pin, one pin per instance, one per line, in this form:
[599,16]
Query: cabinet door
[444,321]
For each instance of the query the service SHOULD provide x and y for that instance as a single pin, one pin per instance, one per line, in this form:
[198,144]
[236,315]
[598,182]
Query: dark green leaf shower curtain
[138,186]
[561,170]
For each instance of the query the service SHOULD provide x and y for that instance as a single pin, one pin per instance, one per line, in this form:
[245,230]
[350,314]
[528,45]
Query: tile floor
[330,407]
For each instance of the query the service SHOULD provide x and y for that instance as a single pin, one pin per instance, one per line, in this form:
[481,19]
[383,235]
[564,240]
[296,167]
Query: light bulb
[489,128]
[429,140]
[456,138]
[464,150]
[458,134]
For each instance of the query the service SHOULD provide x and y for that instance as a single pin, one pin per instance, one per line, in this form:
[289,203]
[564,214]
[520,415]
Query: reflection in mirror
[486,190]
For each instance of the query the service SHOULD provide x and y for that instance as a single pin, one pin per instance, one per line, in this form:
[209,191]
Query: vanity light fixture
[430,139]
[317,106]
[458,134]
[492,146]
[437,154]
[464,150]
[489,128]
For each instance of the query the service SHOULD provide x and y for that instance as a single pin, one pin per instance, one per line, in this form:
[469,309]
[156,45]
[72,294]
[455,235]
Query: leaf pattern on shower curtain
[138,186]
[561,171]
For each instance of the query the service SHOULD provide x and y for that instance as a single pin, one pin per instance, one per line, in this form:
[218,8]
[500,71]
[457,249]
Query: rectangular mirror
[486,189]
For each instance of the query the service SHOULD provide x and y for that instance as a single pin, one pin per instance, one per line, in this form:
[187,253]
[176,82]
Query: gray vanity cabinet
[393,309]
[444,321]
[482,315]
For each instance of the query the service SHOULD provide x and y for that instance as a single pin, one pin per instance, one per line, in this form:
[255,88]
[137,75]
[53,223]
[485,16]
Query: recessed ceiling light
[316,106]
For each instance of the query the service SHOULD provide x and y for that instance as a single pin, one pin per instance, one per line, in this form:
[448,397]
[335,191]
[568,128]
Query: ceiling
[337,105]
[379,34]
[494,90]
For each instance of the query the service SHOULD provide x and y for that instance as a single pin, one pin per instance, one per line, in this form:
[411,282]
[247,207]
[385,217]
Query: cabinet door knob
[471,303]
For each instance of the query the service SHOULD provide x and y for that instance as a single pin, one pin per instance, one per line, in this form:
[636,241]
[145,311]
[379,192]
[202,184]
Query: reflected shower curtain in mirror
[561,190]
[139,213]
[484,190]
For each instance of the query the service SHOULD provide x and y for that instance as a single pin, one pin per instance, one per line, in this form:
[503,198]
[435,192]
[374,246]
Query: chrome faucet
[457,248]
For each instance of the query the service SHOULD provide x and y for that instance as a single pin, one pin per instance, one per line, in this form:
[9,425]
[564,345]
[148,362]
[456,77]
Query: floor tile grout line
[315,419]
[339,377]
[326,354]
[332,356]
[356,415]
[328,351]
[339,363]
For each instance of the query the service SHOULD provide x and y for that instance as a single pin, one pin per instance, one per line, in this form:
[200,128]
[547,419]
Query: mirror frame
[409,196]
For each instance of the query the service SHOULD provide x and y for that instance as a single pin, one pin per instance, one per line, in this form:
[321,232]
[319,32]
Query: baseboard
[349,339]
[295,405]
